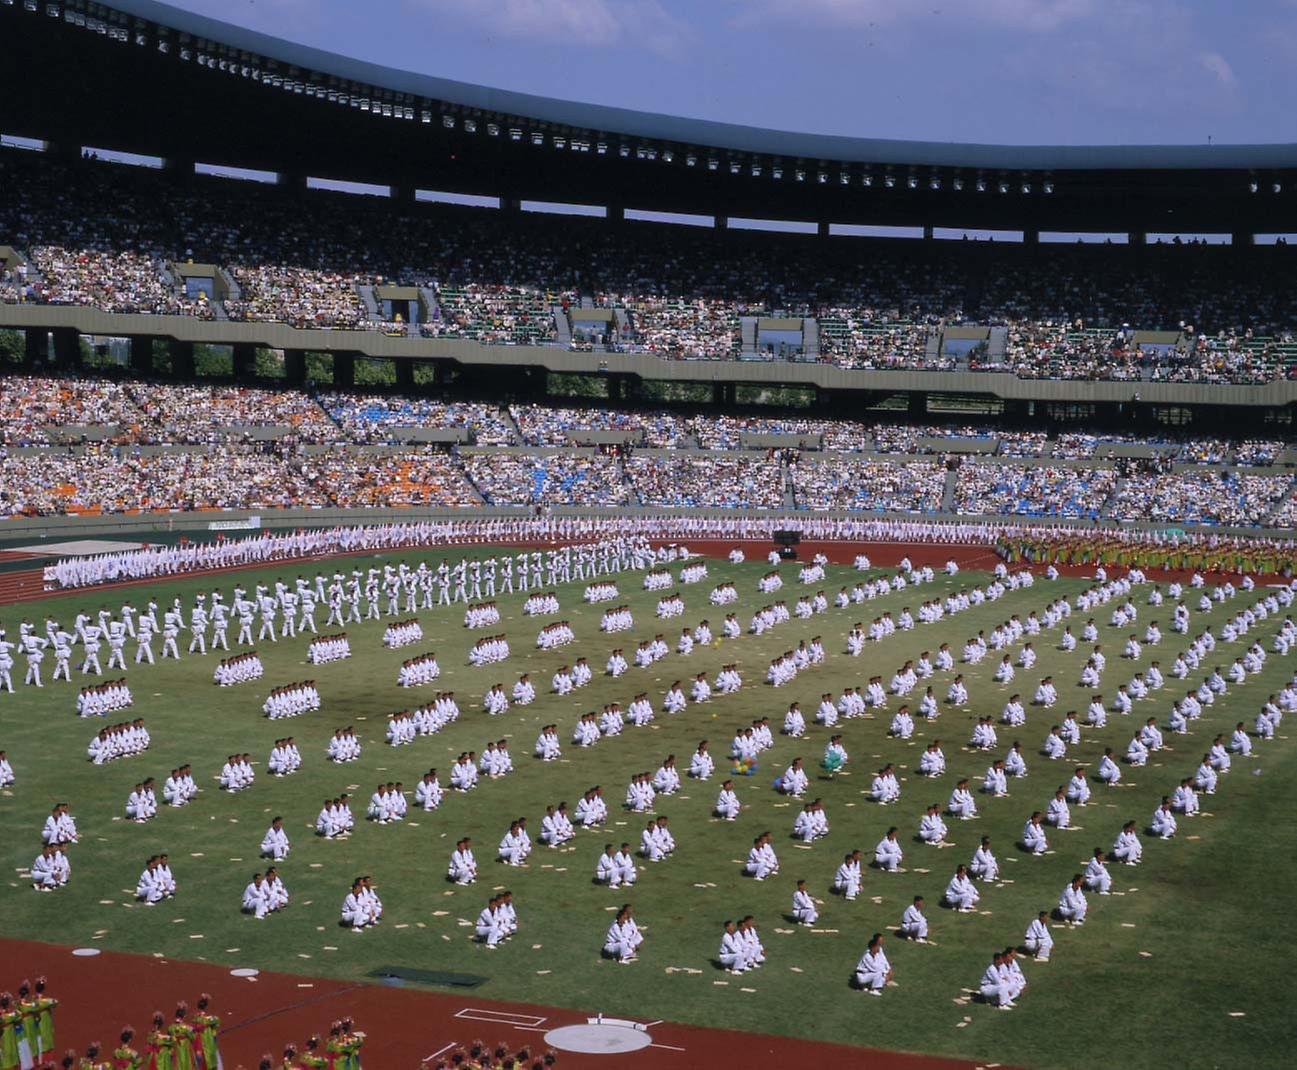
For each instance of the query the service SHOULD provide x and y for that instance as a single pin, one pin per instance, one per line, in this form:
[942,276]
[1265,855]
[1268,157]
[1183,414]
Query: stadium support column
[141,355]
[179,169]
[404,374]
[918,405]
[1242,239]
[723,394]
[38,345]
[245,361]
[67,348]
[619,386]
[822,229]
[295,367]
[291,180]
[344,370]
[182,358]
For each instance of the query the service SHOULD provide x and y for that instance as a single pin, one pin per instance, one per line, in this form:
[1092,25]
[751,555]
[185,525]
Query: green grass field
[1204,928]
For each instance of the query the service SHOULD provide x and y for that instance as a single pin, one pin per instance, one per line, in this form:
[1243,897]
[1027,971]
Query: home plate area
[594,1036]
[600,1036]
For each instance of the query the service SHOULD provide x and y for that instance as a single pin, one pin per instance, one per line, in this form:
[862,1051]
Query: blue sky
[1027,71]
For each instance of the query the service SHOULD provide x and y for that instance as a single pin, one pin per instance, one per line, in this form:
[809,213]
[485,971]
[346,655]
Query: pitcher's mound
[599,1038]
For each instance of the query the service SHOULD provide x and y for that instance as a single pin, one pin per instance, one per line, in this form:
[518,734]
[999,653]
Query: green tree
[375,371]
[12,348]
[571,385]
[269,363]
[213,362]
[319,368]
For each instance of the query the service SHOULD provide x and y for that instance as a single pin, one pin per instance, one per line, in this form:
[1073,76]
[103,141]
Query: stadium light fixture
[981,185]
[448,121]
[560,142]
[492,130]
[141,39]
[799,175]
[691,160]
[890,181]
[1251,187]
[1003,187]
[776,173]
[470,126]
[957,184]
[623,151]
[537,138]
[1276,188]
[867,181]
[29,5]
[601,147]
[735,167]
[668,156]
[1047,187]
[713,164]
[1026,188]
[756,170]
[912,182]
[425,117]
[515,134]
[164,47]
[844,178]
[822,177]
[934,183]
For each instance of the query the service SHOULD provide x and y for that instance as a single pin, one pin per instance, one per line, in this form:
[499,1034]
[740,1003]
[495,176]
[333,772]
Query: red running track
[260,1015]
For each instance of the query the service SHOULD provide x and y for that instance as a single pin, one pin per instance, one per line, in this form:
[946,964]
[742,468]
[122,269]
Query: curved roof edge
[722,136]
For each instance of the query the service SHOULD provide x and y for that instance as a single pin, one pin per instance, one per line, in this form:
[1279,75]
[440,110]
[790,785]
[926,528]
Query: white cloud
[1218,67]
[582,23]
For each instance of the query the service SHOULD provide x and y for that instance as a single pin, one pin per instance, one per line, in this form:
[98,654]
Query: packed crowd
[87,445]
[675,327]
[1047,490]
[868,486]
[382,418]
[494,314]
[667,480]
[679,293]
[196,414]
[858,338]
[424,476]
[35,410]
[594,479]
[543,425]
[1228,498]
[99,479]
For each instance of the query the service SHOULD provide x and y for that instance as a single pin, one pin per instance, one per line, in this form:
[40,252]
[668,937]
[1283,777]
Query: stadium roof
[153,79]
[705,133]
